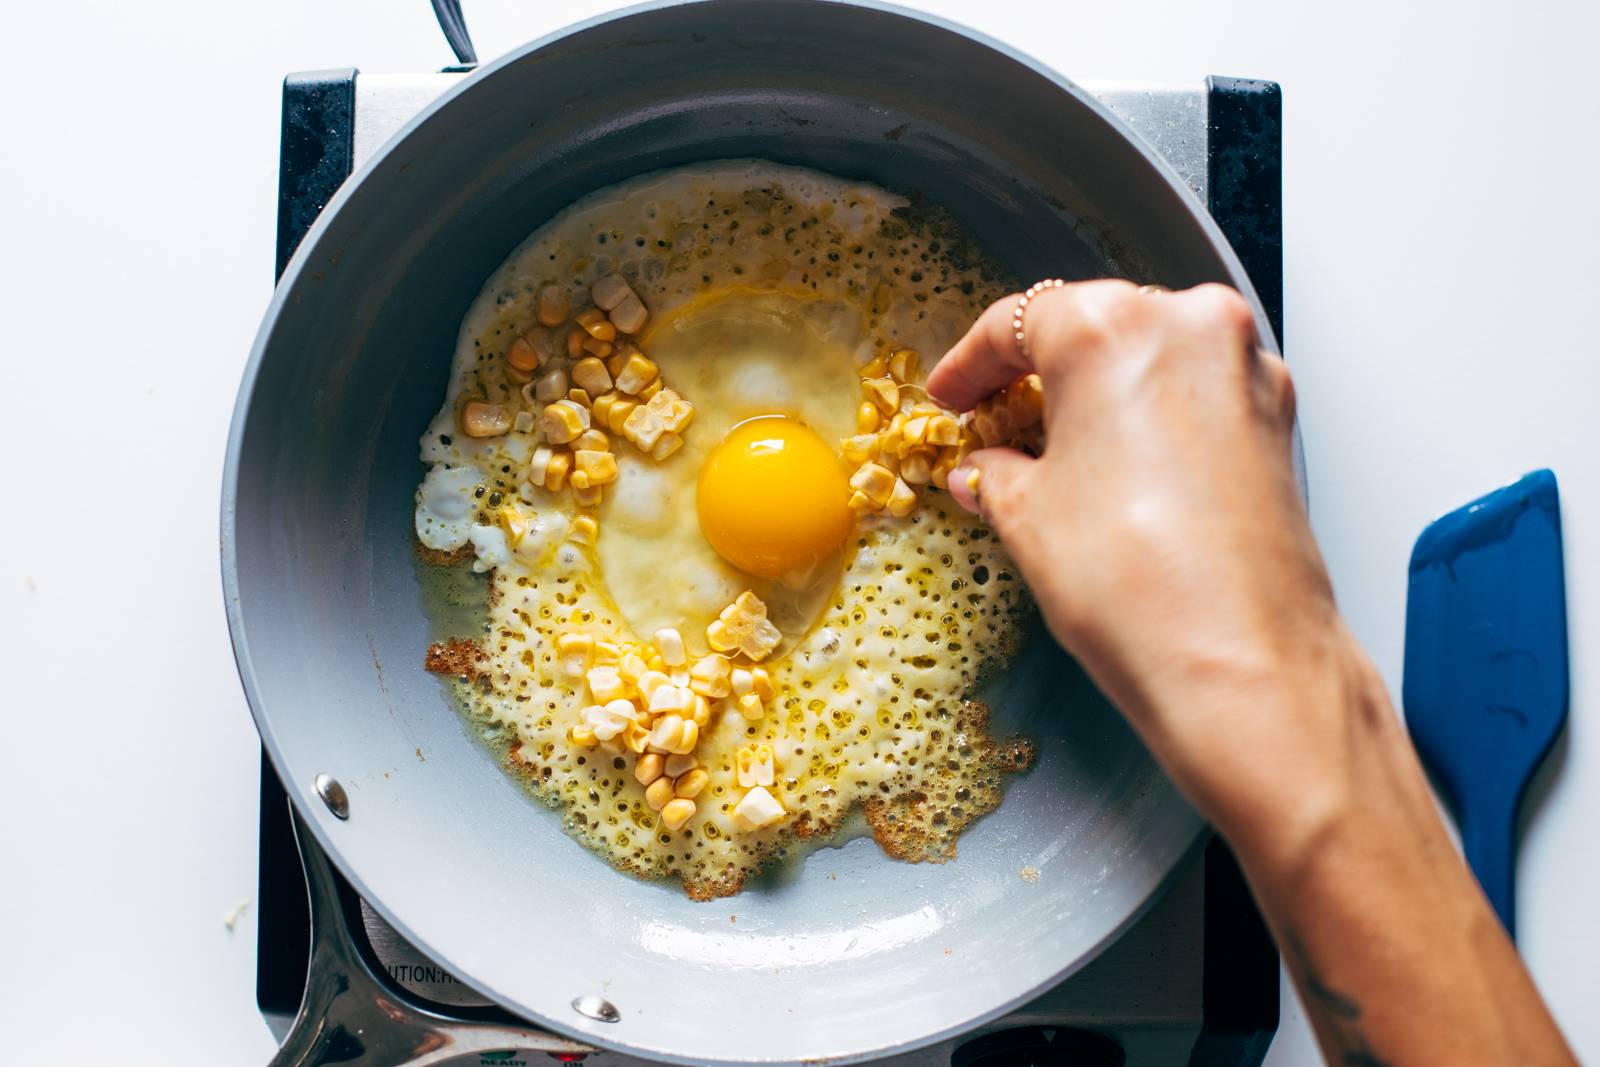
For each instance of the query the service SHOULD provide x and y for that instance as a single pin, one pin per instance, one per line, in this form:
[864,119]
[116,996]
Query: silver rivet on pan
[333,795]
[597,1008]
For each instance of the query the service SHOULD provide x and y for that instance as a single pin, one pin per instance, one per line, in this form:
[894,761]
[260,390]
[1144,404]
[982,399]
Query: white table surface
[1440,221]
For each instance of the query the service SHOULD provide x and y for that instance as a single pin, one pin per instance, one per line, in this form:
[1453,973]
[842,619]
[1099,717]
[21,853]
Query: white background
[1441,224]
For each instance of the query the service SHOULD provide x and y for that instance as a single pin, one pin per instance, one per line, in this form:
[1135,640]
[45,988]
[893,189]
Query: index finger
[987,358]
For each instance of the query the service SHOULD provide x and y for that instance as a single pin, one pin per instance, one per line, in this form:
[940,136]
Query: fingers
[992,483]
[985,359]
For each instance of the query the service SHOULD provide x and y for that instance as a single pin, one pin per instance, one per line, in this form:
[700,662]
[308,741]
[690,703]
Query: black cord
[455,31]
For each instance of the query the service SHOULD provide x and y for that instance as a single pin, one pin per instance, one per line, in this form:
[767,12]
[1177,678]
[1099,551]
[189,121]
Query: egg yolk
[772,498]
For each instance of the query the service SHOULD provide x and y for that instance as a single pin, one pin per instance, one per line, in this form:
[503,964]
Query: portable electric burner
[1195,981]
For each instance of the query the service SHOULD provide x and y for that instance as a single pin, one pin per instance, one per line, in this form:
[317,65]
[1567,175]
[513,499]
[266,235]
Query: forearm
[1396,953]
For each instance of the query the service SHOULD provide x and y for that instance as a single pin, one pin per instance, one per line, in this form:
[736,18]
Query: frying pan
[850,955]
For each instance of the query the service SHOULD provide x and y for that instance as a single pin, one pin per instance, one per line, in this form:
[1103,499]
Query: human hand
[1162,530]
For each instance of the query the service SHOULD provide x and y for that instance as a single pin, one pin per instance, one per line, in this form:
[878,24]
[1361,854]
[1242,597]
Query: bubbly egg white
[768,287]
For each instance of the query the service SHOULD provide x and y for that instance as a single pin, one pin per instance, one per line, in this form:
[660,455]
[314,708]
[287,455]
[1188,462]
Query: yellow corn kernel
[709,676]
[584,531]
[596,349]
[574,650]
[632,667]
[755,765]
[650,390]
[514,523]
[761,684]
[517,377]
[649,682]
[751,708]
[591,375]
[588,497]
[548,467]
[916,467]
[647,768]
[758,808]
[606,684]
[554,305]
[575,338]
[657,793]
[902,499]
[600,410]
[672,700]
[674,734]
[596,325]
[859,503]
[914,432]
[666,445]
[522,355]
[583,736]
[598,467]
[479,418]
[743,625]
[861,447]
[876,367]
[608,653]
[637,373]
[689,785]
[676,812]
[594,440]
[867,417]
[701,714]
[635,738]
[610,291]
[943,430]
[884,392]
[874,482]
[563,421]
[948,458]
[621,408]
[903,364]
[621,352]
[669,642]
[579,397]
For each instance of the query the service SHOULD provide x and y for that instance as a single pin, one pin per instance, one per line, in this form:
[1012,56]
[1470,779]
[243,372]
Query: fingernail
[964,487]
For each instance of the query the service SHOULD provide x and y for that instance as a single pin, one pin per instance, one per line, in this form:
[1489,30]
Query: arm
[1173,557]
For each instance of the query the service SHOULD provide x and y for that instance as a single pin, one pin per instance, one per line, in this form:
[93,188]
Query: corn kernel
[680,764]
[903,364]
[701,713]
[876,367]
[599,468]
[943,430]
[554,305]
[617,416]
[649,683]
[635,738]
[621,352]
[650,390]
[761,683]
[610,291]
[574,650]
[607,653]
[592,439]
[514,523]
[548,468]
[632,667]
[584,530]
[670,699]
[740,682]
[522,355]
[875,482]
[859,503]
[637,373]
[597,326]
[883,392]
[575,338]
[590,374]
[648,768]
[861,447]
[914,431]
[563,421]
[755,765]
[666,445]
[552,387]
[479,418]
[657,793]
[709,676]
[902,499]
[517,377]
[751,708]
[677,811]
[675,734]
[524,422]
[606,684]
[582,735]
[588,496]
[596,349]
[743,625]
[917,467]
[669,642]
[689,785]
[630,315]
[867,417]
[758,808]
[578,396]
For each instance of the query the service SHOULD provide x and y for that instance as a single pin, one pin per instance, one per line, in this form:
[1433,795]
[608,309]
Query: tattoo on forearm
[1341,1010]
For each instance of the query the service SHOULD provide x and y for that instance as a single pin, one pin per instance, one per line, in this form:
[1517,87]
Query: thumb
[993,483]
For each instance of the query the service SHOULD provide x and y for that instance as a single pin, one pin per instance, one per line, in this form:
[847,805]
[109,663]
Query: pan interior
[851,953]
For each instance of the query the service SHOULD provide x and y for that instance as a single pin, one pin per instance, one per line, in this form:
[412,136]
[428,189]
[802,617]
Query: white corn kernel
[552,387]
[666,445]
[650,682]
[670,699]
[902,500]
[523,422]
[751,708]
[709,676]
[758,808]
[702,711]
[917,468]
[630,315]
[674,734]
[680,764]
[669,642]
[740,682]
[676,812]
[755,765]
[610,291]
[591,375]
[875,482]
[743,625]
[574,650]
[632,667]
[554,305]
[548,468]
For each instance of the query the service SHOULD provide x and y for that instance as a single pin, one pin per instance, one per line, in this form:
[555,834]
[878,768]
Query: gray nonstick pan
[852,955]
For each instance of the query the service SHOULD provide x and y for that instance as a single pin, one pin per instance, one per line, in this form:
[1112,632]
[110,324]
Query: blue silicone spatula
[1485,687]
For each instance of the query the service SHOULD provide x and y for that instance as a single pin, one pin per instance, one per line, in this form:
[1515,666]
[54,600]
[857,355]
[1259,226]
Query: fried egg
[768,289]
